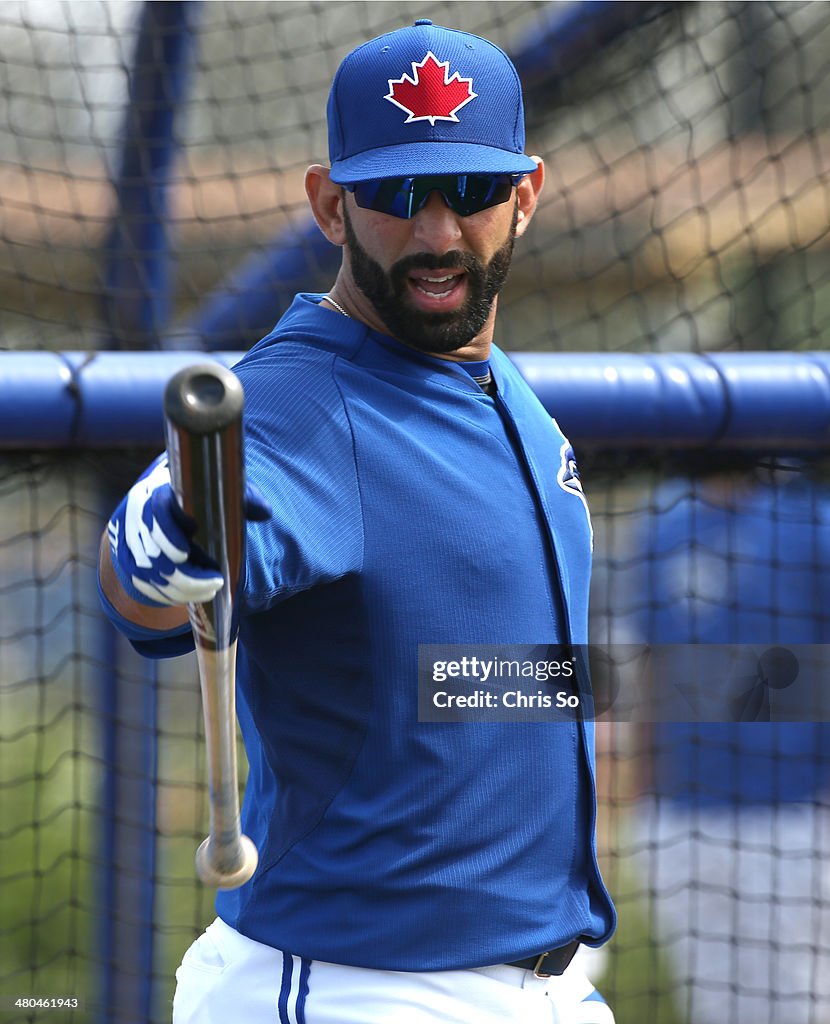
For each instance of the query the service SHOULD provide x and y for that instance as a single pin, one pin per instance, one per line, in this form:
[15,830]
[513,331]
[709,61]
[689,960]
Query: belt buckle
[562,958]
[537,967]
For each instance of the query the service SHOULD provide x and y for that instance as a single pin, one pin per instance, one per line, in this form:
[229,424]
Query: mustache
[453,260]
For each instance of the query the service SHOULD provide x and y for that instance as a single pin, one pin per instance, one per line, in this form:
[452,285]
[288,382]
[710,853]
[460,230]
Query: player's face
[431,279]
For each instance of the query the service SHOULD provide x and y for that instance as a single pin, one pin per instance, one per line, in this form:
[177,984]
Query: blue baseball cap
[426,100]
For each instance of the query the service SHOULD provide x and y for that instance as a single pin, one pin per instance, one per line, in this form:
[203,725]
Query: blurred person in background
[732,830]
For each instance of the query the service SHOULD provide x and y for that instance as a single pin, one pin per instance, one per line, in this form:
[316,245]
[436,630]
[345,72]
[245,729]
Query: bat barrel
[205,398]
[203,407]
[203,422]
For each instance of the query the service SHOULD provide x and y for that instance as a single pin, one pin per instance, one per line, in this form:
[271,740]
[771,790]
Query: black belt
[551,964]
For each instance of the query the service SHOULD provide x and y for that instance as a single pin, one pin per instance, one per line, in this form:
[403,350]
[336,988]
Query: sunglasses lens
[389,195]
[475,192]
[466,194]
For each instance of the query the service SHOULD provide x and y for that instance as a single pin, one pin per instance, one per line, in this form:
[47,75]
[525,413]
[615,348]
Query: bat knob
[223,869]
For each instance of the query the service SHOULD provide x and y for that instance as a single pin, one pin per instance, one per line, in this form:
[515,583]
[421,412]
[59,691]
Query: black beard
[437,333]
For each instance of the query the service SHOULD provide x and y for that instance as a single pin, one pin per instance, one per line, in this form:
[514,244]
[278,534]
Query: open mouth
[438,289]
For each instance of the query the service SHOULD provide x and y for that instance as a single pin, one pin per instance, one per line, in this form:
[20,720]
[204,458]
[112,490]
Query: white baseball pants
[227,977]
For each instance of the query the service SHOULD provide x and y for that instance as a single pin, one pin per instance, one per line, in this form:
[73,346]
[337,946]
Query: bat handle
[227,858]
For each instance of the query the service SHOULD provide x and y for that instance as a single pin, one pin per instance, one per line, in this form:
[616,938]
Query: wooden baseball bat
[203,425]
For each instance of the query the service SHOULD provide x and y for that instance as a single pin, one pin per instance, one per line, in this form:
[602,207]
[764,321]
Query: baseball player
[407,488]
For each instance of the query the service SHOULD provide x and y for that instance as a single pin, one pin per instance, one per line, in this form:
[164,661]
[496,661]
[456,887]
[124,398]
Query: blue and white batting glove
[150,540]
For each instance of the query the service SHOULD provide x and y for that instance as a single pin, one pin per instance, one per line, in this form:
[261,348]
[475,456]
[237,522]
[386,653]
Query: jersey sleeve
[299,452]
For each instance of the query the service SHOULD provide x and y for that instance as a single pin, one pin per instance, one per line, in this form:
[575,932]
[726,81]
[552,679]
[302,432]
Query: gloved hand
[150,540]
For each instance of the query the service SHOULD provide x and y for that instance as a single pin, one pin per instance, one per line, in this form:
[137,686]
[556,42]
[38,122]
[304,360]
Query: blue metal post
[246,307]
[735,401]
[568,37]
[128,714]
[136,309]
[138,266]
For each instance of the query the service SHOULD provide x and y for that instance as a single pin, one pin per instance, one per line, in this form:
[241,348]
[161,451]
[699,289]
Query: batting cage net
[151,198]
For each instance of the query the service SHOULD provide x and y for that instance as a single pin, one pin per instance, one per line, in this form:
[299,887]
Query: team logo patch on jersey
[430,94]
[569,480]
[568,475]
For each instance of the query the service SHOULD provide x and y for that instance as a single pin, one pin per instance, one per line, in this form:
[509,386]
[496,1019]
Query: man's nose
[436,226]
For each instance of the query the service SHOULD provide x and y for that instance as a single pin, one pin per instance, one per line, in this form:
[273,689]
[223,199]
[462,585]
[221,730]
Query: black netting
[713,841]
[687,168]
[685,209]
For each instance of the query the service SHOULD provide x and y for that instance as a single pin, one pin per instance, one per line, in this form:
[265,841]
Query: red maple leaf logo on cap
[430,95]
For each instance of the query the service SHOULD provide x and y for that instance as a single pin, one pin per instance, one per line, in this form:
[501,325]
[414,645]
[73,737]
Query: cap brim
[419,158]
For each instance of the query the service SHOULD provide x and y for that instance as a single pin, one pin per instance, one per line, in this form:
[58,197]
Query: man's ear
[326,201]
[527,192]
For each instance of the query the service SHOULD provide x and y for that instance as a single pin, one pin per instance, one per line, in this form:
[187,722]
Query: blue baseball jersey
[409,508]
[750,572]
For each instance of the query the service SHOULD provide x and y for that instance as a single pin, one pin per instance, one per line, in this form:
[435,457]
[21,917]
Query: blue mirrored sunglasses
[466,194]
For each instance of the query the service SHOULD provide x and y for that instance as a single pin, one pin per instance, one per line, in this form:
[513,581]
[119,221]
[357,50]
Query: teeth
[439,280]
[432,294]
